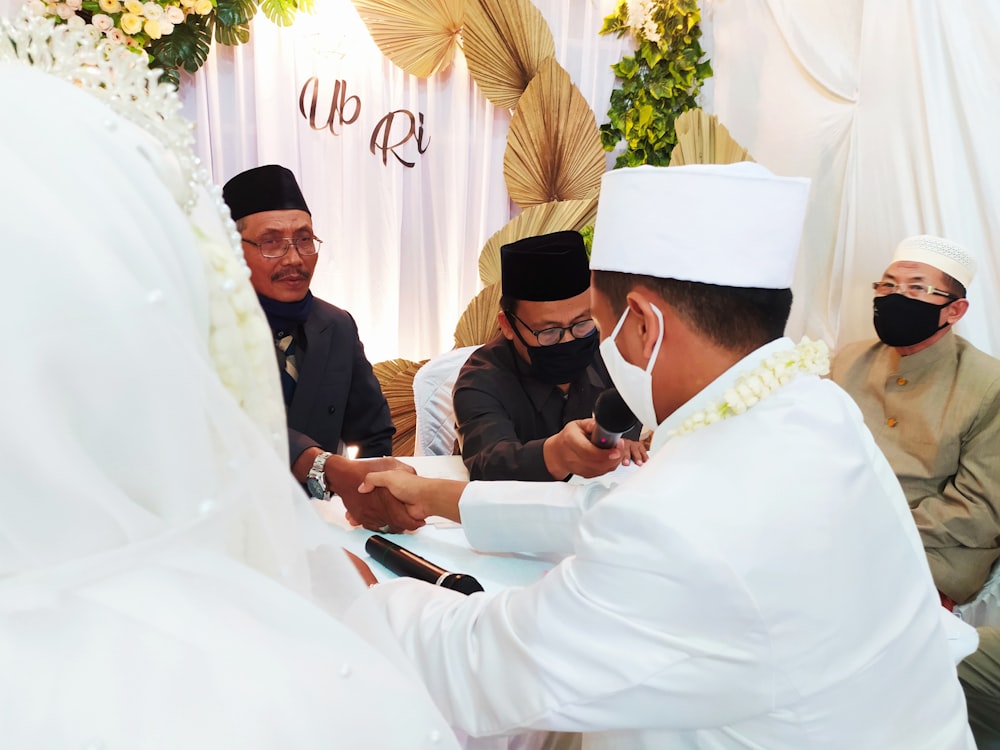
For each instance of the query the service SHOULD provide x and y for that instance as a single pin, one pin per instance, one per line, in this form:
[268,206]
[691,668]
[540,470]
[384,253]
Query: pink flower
[102,22]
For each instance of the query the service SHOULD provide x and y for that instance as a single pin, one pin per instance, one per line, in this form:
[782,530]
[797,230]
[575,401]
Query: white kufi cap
[728,224]
[942,254]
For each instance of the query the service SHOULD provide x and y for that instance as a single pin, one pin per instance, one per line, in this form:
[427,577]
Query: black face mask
[562,363]
[904,321]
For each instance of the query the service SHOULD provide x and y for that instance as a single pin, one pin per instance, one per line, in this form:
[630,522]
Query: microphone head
[612,413]
[462,583]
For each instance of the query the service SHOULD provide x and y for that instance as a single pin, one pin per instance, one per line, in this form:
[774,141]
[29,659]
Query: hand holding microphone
[612,419]
[405,563]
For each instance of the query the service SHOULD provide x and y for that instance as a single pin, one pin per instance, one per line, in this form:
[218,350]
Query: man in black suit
[331,394]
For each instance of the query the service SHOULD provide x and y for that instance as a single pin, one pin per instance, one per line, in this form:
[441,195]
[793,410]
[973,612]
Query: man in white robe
[725,595]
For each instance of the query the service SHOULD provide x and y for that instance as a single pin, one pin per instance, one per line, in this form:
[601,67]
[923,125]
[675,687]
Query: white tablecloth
[441,541]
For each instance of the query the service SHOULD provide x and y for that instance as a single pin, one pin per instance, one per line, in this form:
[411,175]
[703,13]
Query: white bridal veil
[155,586]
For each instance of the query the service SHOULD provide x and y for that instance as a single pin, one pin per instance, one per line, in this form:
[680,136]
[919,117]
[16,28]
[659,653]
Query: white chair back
[432,386]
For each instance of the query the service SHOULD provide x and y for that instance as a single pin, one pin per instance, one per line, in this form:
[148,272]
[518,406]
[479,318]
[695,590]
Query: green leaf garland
[656,84]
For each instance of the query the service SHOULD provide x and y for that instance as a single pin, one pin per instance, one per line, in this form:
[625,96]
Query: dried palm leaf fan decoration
[478,323]
[702,139]
[533,221]
[396,379]
[390,368]
[554,150]
[505,41]
[420,36]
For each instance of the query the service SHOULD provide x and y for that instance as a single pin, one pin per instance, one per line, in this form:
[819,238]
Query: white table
[440,541]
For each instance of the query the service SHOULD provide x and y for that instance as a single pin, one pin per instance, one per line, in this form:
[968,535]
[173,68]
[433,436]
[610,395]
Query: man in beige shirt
[932,401]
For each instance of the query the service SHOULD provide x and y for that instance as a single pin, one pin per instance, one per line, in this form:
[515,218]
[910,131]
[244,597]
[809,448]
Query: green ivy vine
[658,83]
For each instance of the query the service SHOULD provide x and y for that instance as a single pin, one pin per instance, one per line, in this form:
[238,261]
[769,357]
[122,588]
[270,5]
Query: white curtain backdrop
[401,244]
[891,108]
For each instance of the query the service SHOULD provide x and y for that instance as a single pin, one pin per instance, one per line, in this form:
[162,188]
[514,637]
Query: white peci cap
[727,224]
[940,253]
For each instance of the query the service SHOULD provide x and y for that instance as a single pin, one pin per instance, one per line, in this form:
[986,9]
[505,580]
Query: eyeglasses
[279,247]
[550,336]
[883,288]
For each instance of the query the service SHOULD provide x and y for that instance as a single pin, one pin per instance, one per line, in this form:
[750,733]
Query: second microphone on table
[405,563]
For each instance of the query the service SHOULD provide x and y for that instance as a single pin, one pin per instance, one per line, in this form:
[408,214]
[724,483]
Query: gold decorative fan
[390,368]
[554,150]
[478,323]
[395,376]
[420,36]
[702,139]
[505,41]
[533,221]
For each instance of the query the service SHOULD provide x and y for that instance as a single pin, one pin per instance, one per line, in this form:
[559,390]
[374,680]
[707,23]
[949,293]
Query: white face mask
[634,384]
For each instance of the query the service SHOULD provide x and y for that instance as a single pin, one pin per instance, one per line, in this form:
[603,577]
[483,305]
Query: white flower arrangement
[125,22]
[811,357]
[175,35]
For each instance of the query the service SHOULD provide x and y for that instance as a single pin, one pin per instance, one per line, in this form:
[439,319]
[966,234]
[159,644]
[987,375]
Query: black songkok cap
[267,188]
[546,268]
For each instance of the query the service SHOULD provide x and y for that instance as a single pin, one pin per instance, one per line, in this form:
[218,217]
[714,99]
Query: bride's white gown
[155,589]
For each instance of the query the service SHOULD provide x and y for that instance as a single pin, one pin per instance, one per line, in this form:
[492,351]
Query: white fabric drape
[889,108]
[401,244]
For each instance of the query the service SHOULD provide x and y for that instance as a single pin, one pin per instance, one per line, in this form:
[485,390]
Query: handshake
[386,495]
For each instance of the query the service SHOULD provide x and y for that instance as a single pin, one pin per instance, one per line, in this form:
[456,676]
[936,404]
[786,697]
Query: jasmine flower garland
[810,357]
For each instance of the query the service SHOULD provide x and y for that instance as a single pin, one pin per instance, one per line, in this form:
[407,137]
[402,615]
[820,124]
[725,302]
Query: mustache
[291,273]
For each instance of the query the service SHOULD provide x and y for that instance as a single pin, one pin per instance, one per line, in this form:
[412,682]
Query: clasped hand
[375,509]
[388,493]
[570,451]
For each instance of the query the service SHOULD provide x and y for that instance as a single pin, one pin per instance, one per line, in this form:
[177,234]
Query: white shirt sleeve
[660,634]
[538,518]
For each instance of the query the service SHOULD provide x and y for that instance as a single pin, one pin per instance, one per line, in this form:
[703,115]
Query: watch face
[316,488]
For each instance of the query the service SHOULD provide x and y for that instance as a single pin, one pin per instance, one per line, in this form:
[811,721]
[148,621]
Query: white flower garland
[811,357]
[239,344]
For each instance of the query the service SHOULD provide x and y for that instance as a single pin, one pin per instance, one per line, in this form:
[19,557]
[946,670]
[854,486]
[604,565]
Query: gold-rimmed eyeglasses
[279,247]
[883,288]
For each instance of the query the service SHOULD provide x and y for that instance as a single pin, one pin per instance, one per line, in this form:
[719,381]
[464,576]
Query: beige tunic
[936,416]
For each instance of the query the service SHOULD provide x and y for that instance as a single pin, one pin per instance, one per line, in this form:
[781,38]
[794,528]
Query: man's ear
[505,326]
[956,311]
[640,308]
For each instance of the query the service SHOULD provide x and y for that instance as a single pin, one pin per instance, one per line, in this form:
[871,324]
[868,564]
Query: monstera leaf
[232,21]
[282,12]
[187,47]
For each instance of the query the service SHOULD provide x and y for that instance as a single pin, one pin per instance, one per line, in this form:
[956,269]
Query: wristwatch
[316,481]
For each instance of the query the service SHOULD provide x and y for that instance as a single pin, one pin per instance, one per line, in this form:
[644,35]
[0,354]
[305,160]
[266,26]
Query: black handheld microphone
[405,563]
[613,419]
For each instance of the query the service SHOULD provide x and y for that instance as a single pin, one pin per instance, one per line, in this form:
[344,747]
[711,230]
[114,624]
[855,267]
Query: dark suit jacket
[337,397]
